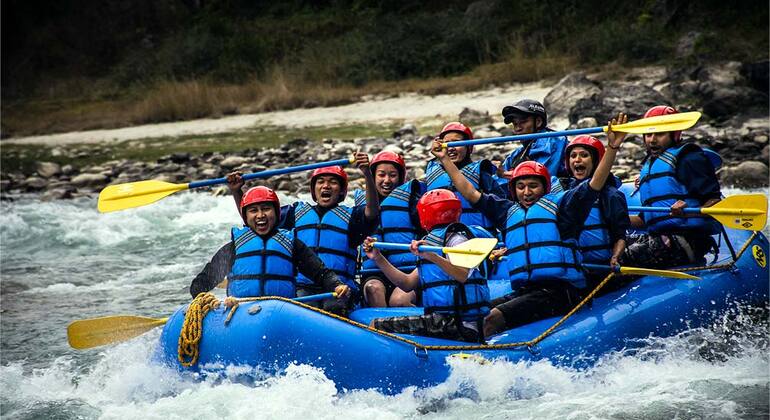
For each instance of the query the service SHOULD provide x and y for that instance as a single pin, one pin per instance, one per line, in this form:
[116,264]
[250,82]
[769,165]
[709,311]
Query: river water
[62,261]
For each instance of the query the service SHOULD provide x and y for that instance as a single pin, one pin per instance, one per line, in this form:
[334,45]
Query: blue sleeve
[697,174]
[495,208]
[574,208]
[360,228]
[550,152]
[287,216]
[488,183]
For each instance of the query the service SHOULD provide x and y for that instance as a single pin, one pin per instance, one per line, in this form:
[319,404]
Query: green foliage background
[124,44]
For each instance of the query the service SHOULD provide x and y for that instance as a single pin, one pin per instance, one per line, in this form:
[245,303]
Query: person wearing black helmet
[529,116]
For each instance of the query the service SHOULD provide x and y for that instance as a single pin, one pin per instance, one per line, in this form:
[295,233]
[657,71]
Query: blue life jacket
[262,267]
[548,150]
[443,294]
[328,238]
[436,177]
[536,250]
[396,224]
[659,187]
[594,239]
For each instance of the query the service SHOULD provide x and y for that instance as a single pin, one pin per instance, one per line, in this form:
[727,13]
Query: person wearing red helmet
[602,238]
[455,299]
[529,116]
[479,173]
[540,230]
[675,175]
[261,259]
[399,223]
[332,230]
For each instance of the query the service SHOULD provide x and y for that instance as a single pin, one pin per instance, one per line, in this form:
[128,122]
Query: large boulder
[89,180]
[232,162]
[750,174]
[632,98]
[565,95]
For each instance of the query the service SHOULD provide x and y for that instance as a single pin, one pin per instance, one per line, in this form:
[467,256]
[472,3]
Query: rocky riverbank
[732,96]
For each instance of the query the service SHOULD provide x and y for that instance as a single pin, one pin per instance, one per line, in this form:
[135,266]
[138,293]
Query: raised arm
[613,144]
[235,184]
[372,211]
[463,186]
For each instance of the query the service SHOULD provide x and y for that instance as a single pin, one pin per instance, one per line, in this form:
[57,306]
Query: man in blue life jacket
[455,299]
[540,231]
[479,173]
[261,259]
[527,117]
[399,223]
[602,238]
[332,230]
[674,175]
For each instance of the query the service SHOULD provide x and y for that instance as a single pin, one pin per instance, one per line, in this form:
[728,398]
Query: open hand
[614,139]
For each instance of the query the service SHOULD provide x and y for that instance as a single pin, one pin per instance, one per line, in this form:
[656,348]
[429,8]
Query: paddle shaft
[272,172]
[525,137]
[425,248]
[704,210]
[313,298]
[615,269]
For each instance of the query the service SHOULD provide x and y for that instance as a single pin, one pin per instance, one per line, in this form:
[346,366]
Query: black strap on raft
[727,242]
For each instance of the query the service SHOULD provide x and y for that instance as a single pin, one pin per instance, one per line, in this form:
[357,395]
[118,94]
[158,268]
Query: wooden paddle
[662,123]
[745,212]
[469,254]
[141,193]
[95,332]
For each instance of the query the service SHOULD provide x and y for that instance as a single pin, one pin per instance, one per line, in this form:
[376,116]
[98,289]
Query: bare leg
[374,293]
[402,298]
[493,323]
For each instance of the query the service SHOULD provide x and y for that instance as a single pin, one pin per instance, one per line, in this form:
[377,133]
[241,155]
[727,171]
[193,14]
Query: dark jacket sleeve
[495,208]
[360,227]
[214,271]
[574,209]
[697,174]
[308,263]
[287,216]
[488,183]
[615,208]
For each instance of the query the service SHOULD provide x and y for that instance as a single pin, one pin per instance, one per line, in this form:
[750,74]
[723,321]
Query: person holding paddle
[602,237]
[328,227]
[455,298]
[479,173]
[399,223]
[674,175]
[529,116]
[262,259]
[540,231]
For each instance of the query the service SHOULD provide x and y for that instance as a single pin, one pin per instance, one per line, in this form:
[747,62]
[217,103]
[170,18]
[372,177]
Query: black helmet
[525,107]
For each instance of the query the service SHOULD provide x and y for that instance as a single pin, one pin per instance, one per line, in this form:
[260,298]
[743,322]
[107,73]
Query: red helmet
[664,110]
[259,195]
[457,127]
[331,170]
[530,168]
[438,207]
[589,142]
[386,156]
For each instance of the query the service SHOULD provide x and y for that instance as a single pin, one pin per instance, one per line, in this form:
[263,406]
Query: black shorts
[429,325]
[539,300]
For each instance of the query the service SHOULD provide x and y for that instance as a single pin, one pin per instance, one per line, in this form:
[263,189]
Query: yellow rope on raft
[192,328]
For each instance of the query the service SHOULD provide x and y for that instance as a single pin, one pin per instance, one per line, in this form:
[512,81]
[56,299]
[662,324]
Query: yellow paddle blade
[745,212]
[88,333]
[135,194]
[660,273]
[471,253]
[659,124]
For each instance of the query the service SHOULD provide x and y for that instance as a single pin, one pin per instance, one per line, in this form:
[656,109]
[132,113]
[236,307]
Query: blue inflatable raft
[271,334]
